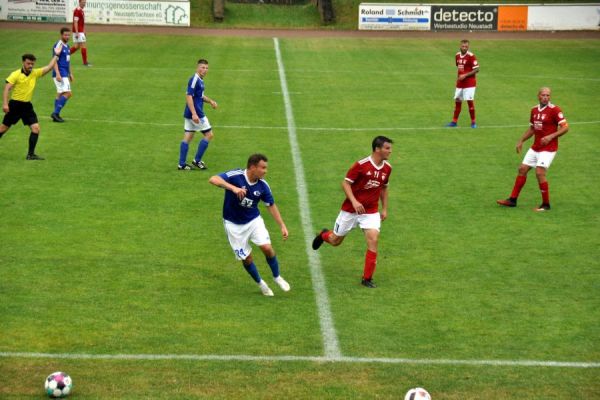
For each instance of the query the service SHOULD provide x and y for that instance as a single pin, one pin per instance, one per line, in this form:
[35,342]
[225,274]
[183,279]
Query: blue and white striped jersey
[244,211]
[195,89]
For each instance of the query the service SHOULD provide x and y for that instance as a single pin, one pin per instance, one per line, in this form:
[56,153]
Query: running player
[244,189]
[365,185]
[547,123]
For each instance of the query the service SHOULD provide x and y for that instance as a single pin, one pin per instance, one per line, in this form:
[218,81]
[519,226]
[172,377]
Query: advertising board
[393,17]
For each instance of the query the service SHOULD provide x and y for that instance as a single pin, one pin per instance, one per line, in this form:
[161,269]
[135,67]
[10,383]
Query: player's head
[65,34]
[544,95]
[28,62]
[464,46]
[202,68]
[382,146]
[81,3]
[257,166]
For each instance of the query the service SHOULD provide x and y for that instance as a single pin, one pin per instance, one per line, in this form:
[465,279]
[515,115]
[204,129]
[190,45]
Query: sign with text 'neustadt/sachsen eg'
[464,18]
[393,17]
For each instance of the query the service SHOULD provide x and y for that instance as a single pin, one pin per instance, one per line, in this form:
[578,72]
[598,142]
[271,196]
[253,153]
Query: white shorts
[64,86]
[539,158]
[240,235]
[78,37]
[464,94]
[190,126]
[346,221]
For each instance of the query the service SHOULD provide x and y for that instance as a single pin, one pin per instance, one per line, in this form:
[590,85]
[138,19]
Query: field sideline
[95,231]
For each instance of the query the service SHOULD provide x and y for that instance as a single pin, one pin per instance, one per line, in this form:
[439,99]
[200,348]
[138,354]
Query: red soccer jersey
[366,180]
[78,20]
[466,64]
[545,121]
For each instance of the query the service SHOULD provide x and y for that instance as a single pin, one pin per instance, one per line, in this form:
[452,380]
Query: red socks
[457,108]
[519,183]
[73,49]
[471,104]
[325,235]
[84,55]
[370,264]
[545,193]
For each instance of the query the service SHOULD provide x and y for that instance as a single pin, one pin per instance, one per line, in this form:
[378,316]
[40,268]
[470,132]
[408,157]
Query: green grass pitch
[107,249]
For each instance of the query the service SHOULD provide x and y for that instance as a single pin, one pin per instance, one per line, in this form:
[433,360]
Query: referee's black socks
[33,138]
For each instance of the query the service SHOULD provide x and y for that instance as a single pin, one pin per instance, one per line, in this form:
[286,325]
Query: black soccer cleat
[184,167]
[56,118]
[510,202]
[318,240]
[368,283]
[543,207]
[34,157]
[199,164]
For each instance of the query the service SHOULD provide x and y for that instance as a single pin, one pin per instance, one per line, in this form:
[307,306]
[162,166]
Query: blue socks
[253,272]
[183,150]
[274,264]
[59,104]
[202,146]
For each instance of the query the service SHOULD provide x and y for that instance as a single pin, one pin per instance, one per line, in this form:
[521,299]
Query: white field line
[330,340]
[307,128]
[339,359]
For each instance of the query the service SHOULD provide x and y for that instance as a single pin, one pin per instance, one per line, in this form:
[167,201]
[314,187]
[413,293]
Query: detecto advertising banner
[393,17]
[34,10]
[464,18]
[128,12]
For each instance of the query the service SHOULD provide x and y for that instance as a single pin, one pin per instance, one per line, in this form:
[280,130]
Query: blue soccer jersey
[243,211]
[195,89]
[64,60]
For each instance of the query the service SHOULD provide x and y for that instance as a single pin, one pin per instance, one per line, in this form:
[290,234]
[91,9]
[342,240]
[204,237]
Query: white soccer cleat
[266,290]
[282,283]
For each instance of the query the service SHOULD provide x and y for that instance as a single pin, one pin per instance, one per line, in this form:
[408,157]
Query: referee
[22,83]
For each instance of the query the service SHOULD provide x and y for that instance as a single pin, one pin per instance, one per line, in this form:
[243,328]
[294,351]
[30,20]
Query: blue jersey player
[194,118]
[63,77]
[244,189]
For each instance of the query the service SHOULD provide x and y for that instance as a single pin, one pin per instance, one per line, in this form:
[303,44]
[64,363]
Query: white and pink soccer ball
[58,384]
[417,394]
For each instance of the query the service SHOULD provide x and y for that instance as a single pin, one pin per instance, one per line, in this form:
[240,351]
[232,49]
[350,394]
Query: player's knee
[540,173]
[208,135]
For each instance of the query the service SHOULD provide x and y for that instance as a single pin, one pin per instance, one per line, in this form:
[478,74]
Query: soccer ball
[417,394]
[58,385]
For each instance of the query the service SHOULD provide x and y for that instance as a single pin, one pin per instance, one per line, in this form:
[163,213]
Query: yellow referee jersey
[23,84]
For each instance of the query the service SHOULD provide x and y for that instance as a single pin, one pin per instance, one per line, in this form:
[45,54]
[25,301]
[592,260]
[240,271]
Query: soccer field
[115,268]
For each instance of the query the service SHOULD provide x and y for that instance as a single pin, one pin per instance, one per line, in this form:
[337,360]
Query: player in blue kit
[63,77]
[194,118]
[244,189]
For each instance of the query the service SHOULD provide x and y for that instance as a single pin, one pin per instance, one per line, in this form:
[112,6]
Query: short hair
[64,29]
[28,56]
[202,61]
[256,158]
[379,141]
[465,41]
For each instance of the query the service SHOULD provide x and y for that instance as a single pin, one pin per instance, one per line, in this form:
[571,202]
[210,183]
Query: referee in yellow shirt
[22,82]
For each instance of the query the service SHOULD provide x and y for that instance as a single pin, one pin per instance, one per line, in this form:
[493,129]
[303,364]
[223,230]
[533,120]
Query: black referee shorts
[20,110]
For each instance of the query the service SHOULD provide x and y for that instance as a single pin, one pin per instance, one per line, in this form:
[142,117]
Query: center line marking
[330,340]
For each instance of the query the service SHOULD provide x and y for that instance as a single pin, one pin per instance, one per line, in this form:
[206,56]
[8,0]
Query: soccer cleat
[510,202]
[184,167]
[34,157]
[542,207]
[265,289]
[368,283]
[473,125]
[282,283]
[56,118]
[199,164]
[451,124]
[318,240]
[87,64]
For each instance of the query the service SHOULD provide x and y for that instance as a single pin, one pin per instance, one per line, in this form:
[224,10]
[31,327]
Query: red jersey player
[547,123]
[365,184]
[467,66]
[79,39]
